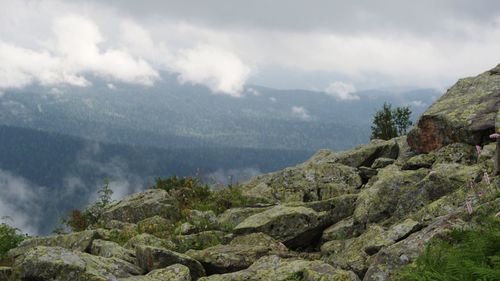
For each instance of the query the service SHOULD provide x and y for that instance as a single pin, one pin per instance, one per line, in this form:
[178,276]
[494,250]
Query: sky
[338,47]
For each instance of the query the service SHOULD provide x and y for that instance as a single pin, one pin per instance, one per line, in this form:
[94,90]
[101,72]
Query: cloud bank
[225,44]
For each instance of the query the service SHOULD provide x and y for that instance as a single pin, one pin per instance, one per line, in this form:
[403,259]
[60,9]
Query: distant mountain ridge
[169,114]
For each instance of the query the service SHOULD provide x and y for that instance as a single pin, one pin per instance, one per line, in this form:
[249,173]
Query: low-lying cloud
[300,112]
[342,91]
[37,209]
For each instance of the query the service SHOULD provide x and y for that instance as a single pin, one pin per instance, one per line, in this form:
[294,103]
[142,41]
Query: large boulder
[198,241]
[365,155]
[108,249]
[234,216]
[149,240]
[279,269]
[465,113]
[354,254]
[295,226]
[60,264]
[392,192]
[319,178]
[239,254]
[388,260]
[143,205]
[151,258]
[79,241]
[155,225]
[176,272]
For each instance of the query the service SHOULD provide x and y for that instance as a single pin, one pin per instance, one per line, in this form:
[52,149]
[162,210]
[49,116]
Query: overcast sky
[334,46]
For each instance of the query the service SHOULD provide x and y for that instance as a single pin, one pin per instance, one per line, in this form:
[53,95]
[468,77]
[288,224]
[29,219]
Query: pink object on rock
[478,149]
[495,136]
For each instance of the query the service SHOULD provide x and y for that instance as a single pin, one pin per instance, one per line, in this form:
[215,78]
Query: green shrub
[463,255]
[80,220]
[10,237]
[191,194]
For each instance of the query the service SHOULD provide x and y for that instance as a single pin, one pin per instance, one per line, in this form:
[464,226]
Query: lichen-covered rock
[143,205]
[343,229]
[126,229]
[279,269]
[176,272]
[155,225]
[202,221]
[460,153]
[108,249]
[60,264]
[354,254]
[149,240]
[151,258]
[239,254]
[5,273]
[80,241]
[198,241]
[447,178]
[234,216]
[365,155]
[294,226]
[465,113]
[382,163]
[393,192]
[316,179]
[404,252]
[419,161]
[366,173]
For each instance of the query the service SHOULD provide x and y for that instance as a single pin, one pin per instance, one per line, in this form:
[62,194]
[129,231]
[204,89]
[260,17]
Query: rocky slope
[355,215]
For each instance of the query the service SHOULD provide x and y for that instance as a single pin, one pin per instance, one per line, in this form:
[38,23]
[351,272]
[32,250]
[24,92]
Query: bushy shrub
[191,194]
[463,255]
[80,220]
[10,237]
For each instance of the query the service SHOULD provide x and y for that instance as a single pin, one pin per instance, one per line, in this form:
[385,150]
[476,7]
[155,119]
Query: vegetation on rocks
[10,237]
[461,255]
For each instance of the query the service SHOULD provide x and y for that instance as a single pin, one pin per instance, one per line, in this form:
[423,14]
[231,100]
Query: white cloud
[128,46]
[342,91]
[300,112]
[418,103]
[253,92]
[111,86]
[72,52]
[272,99]
[222,71]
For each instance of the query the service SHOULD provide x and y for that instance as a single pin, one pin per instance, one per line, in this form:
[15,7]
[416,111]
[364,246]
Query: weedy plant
[10,237]
[80,220]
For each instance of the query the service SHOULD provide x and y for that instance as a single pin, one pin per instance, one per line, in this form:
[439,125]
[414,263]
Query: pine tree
[389,123]
[402,119]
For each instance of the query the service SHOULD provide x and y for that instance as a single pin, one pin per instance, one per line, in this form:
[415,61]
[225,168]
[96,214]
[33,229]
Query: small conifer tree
[389,123]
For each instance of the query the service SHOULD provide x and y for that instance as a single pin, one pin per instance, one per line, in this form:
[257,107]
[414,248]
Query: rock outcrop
[356,215]
[465,113]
